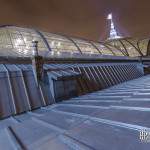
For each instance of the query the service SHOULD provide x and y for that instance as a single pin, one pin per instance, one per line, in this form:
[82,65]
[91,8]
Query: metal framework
[17,42]
[133,47]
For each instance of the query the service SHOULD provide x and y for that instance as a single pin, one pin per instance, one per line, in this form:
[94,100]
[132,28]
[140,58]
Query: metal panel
[18,89]
[33,90]
[7,105]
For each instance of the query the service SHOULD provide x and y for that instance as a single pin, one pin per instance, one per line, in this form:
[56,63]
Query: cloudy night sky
[81,18]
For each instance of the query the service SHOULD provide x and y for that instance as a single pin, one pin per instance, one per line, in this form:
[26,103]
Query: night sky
[81,18]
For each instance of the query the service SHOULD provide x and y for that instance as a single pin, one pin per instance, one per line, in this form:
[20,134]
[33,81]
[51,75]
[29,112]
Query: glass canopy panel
[21,41]
[6,45]
[60,44]
[116,51]
[118,45]
[143,46]
[104,50]
[5,41]
[131,49]
[85,46]
[28,36]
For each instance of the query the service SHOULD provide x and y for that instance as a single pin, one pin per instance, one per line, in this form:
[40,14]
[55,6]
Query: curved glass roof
[17,42]
[132,47]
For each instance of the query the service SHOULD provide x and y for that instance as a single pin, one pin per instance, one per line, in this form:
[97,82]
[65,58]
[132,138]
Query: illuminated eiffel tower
[113,33]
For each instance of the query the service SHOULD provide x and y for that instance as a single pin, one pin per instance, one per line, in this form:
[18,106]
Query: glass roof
[17,42]
[132,47]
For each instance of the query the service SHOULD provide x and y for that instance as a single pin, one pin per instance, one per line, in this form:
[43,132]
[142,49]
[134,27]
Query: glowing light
[25,51]
[18,42]
[52,43]
[102,46]
[58,53]
[27,47]
[33,52]
[35,39]
[91,52]
[52,52]
[59,44]
[19,50]
[25,39]
[109,17]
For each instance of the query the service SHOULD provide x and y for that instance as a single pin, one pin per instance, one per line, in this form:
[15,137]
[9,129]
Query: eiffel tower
[113,33]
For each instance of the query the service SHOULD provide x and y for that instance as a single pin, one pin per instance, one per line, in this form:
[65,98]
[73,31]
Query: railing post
[37,62]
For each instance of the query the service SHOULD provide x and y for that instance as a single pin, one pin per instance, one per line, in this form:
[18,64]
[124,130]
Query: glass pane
[143,46]
[85,46]
[103,49]
[131,50]
[60,43]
